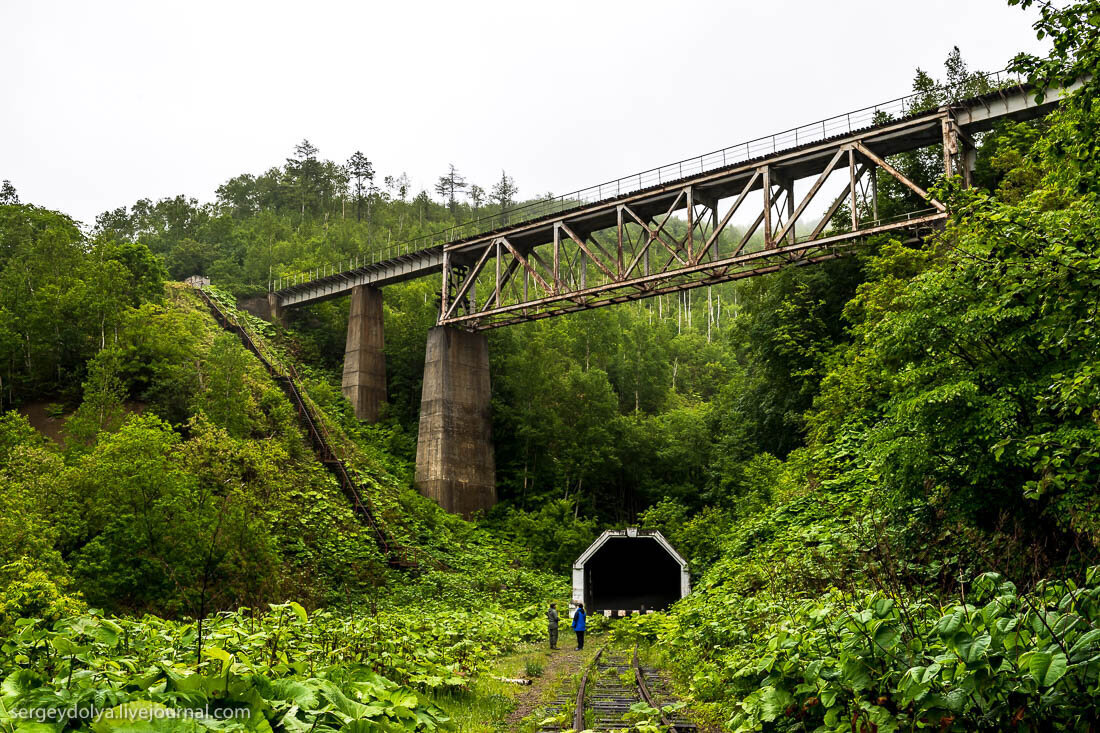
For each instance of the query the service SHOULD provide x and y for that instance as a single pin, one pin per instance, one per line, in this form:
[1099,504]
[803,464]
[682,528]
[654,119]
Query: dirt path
[564,662]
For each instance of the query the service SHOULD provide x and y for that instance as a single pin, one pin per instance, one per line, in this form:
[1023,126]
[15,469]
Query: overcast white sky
[104,103]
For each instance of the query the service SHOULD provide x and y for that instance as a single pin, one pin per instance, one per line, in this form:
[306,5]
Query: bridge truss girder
[623,249]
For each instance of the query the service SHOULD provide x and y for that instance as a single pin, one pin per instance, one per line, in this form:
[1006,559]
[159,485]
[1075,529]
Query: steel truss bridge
[673,228]
[788,200]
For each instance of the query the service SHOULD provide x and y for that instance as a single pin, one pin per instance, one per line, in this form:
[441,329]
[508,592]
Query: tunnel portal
[629,570]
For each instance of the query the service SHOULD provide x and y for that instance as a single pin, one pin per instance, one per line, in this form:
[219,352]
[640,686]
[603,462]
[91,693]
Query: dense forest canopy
[674,398]
[883,470]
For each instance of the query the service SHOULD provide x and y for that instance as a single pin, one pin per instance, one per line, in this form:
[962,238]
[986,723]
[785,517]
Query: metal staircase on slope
[284,374]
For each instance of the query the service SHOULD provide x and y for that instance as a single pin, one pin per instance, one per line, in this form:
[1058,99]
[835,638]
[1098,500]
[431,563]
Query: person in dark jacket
[579,619]
[552,625]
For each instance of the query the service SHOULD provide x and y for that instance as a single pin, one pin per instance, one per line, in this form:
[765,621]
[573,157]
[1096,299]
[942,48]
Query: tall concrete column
[364,382]
[274,309]
[454,451]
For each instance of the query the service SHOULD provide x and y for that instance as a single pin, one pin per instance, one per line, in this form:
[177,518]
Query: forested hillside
[927,558]
[883,470]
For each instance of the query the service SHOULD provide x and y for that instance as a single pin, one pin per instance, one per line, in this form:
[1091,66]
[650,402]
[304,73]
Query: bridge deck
[396,269]
[713,181]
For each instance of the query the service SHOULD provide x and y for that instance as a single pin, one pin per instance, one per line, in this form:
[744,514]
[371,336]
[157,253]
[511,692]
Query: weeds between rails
[612,687]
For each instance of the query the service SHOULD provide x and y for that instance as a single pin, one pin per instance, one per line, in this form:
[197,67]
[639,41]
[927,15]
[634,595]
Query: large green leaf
[221,655]
[950,624]
[774,701]
[1085,644]
[299,611]
[66,646]
[17,684]
[887,635]
[136,715]
[1046,667]
[973,649]
[854,673]
[361,726]
[303,695]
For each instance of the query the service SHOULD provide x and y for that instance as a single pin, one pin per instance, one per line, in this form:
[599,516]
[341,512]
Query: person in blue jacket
[578,625]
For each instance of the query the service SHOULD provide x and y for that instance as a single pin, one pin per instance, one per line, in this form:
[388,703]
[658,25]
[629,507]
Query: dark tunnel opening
[630,573]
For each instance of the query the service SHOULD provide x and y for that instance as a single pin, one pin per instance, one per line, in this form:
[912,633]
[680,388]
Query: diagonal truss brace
[701,249]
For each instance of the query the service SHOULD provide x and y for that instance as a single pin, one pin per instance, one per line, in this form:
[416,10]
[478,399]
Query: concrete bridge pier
[274,309]
[364,381]
[454,451]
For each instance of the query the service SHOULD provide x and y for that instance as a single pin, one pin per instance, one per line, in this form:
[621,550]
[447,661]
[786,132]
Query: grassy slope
[459,561]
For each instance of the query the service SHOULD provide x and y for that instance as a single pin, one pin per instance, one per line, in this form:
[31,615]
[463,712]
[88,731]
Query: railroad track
[611,685]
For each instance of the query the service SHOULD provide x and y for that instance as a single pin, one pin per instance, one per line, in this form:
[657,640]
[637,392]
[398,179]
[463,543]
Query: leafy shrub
[697,537]
[996,660]
[286,669]
[554,536]
[31,593]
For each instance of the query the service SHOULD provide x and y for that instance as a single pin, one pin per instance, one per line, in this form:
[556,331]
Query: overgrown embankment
[930,558]
[209,501]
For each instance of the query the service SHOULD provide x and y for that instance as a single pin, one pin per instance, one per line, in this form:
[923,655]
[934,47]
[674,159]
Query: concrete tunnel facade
[628,570]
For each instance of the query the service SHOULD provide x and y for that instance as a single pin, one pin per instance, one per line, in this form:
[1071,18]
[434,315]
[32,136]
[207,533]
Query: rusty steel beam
[793,215]
[951,126]
[905,181]
[650,292]
[705,273]
[697,256]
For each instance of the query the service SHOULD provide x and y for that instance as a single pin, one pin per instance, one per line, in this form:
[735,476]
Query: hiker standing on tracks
[552,624]
[579,619]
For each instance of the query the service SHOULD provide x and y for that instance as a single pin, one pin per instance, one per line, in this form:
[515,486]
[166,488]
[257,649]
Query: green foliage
[104,393]
[28,592]
[15,431]
[28,537]
[160,345]
[973,379]
[1001,660]
[553,536]
[285,669]
[171,523]
[224,396]
[955,429]
[63,298]
[1075,53]
[697,537]
[835,449]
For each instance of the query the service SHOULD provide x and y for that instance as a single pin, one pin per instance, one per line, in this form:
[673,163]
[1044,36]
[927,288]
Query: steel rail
[648,696]
[618,701]
[578,711]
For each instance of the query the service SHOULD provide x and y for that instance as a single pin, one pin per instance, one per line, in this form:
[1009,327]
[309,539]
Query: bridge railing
[842,124]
